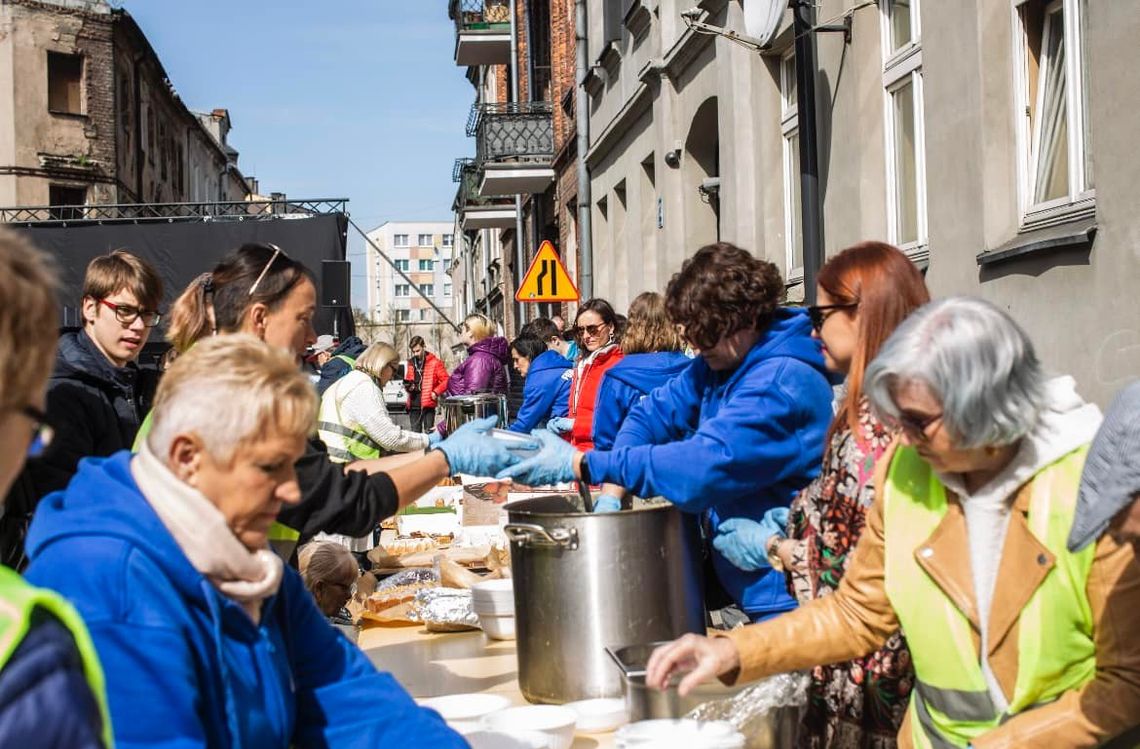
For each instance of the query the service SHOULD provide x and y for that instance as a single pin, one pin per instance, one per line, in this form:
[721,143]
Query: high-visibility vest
[344,444]
[17,602]
[951,705]
[346,359]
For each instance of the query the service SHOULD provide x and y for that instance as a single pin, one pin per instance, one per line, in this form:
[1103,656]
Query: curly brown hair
[721,290]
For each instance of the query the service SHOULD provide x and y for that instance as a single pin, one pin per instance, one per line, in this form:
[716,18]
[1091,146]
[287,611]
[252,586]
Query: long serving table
[431,665]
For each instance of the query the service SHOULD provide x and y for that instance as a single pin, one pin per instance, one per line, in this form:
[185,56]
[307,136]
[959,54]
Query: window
[404,265]
[427,265]
[65,83]
[403,289]
[424,240]
[403,315]
[1054,149]
[423,314]
[400,240]
[790,127]
[447,289]
[905,147]
[427,289]
[448,240]
[64,200]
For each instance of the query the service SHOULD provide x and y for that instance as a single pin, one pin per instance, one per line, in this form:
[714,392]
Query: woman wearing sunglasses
[598,351]
[863,294]
[1015,640]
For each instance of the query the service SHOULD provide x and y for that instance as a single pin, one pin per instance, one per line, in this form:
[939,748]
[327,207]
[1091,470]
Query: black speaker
[336,284]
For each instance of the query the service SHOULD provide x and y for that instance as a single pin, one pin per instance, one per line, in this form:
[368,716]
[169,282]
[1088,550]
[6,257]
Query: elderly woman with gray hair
[206,638]
[331,574]
[1016,641]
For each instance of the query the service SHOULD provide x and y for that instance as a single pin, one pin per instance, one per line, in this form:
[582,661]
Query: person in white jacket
[354,423]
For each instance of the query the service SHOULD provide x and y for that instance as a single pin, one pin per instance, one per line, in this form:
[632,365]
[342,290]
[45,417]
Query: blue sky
[336,98]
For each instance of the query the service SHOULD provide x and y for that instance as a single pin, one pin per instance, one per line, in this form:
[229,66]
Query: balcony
[482,32]
[476,211]
[514,146]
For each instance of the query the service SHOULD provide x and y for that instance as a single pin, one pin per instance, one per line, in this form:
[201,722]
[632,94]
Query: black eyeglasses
[916,426]
[126,314]
[42,433]
[818,312]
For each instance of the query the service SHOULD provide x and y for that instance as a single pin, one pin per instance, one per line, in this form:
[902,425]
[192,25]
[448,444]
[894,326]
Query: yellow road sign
[547,280]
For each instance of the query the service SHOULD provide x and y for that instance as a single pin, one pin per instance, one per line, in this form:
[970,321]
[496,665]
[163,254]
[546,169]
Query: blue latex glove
[553,464]
[434,438]
[777,520]
[471,450]
[744,542]
[560,424]
[607,503]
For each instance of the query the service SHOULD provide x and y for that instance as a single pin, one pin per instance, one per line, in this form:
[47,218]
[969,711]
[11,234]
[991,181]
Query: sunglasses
[818,313]
[261,276]
[42,433]
[126,314]
[590,330]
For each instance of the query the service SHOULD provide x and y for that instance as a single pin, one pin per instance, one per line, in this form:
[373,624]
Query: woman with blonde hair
[354,424]
[488,355]
[208,639]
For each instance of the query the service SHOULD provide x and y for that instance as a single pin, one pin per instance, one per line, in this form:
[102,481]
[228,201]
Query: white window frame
[448,240]
[399,240]
[1081,200]
[447,289]
[427,289]
[420,240]
[403,264]
[430,265]
[403,290]
[789,129]
[901,67]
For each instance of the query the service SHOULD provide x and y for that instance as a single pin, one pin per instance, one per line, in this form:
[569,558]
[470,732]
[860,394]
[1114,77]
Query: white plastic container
[466,707]
[553,720]
[494,595]
[497,627]
[679,734]
[599,715]
[483,739]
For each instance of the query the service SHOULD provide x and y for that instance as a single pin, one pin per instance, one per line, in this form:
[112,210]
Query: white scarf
[200,531]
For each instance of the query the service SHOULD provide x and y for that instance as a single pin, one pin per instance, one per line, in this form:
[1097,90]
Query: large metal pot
[585,582]
[460,409]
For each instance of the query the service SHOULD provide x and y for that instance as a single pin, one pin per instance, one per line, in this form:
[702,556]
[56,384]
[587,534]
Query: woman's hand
[702,657]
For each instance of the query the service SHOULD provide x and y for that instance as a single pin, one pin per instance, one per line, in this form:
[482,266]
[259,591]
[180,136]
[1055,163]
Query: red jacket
[433,380]
[584,392]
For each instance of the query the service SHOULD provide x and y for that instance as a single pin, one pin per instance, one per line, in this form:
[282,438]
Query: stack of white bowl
[494,603]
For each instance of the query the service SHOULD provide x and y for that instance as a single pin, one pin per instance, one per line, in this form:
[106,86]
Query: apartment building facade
[88,115]
[990,140]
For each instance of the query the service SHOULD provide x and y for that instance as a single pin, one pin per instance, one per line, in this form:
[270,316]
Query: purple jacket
[484,370]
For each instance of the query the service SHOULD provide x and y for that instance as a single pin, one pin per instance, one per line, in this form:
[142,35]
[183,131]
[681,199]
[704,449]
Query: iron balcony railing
[516,131]
[468,173]
[480,15]
[239,210]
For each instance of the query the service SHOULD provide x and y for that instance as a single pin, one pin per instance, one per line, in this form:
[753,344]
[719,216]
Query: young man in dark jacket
[96,397]
[50,679]
[341,362]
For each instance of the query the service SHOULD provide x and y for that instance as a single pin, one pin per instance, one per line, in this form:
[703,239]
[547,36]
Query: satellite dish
[762,19]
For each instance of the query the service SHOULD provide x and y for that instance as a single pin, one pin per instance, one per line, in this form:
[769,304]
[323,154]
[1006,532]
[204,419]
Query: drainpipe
[582,121]
[812,219]
[520,251]
[136,94]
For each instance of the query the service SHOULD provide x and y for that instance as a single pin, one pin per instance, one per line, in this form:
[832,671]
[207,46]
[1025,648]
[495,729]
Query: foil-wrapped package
[768,713]
[444,610]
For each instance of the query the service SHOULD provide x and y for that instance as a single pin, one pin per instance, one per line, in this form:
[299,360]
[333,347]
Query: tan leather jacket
[858,618]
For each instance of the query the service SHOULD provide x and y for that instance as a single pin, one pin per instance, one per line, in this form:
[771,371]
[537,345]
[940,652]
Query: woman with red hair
[862,294]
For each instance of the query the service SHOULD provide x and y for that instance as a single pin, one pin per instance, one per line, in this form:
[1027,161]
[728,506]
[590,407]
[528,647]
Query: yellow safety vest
[17,602]
[951,705]
[345,445]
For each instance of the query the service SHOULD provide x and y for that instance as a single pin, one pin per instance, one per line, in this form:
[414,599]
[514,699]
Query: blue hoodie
[731,444]
[185,665]
[625,384]
[546,393]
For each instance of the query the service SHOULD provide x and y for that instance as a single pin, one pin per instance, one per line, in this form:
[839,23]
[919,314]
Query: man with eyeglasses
[95,399]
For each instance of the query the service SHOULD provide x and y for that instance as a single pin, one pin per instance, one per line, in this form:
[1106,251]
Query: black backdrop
[182,250]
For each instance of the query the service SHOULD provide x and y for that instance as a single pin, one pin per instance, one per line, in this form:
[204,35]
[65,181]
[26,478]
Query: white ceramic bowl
[679,734]
[599,715]
[497,627]
[484,739]
[553,720]
[466,707]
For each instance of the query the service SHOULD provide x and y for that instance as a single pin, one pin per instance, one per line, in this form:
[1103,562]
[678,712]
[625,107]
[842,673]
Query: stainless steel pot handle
[523,533]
